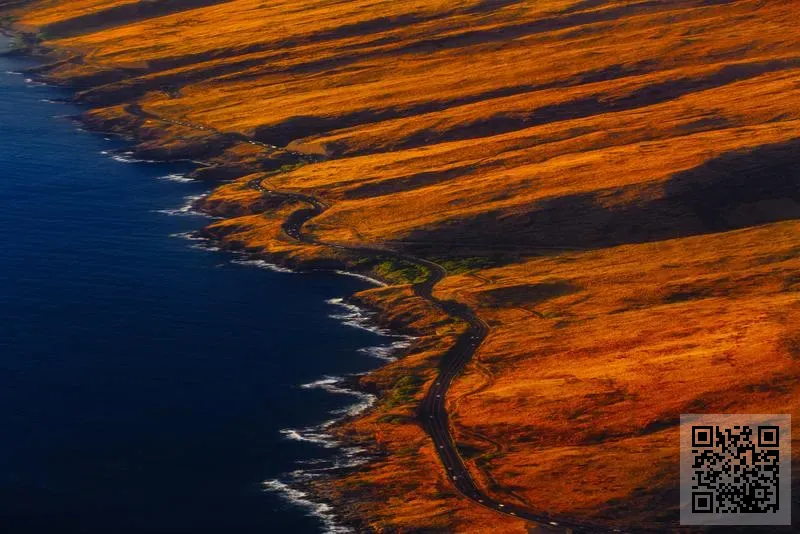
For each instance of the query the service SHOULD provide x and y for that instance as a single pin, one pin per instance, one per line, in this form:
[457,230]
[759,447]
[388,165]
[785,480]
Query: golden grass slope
[53,12]
[613,185]
[593,355]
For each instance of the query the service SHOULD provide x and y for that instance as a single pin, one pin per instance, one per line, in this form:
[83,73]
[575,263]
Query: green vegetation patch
[401,271]
[392,419]
[404,391]
[393,270]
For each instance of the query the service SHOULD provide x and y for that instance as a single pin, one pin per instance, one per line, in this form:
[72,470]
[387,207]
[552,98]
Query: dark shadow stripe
[735,190]
[120,15]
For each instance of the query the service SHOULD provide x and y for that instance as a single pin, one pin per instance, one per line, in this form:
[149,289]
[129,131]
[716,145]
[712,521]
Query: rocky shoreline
[205,152]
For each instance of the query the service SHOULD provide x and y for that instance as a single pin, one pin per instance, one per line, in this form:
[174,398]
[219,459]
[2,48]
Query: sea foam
[321,511]
[262,264]
[355,316]
[124,157]
[345,457]
[386,352]
[369,279]
[187,209]
[181,178]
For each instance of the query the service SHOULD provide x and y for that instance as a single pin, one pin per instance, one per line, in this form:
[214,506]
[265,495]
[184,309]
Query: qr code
[735,469]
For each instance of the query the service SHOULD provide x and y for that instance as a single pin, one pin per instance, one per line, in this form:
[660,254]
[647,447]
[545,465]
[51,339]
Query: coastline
[304,487]
[450,331]
[332,498]
[585,213]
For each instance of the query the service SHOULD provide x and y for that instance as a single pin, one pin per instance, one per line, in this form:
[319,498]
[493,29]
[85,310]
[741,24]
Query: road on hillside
[432,411]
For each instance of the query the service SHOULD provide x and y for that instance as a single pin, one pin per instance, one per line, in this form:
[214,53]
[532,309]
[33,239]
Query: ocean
[148,383]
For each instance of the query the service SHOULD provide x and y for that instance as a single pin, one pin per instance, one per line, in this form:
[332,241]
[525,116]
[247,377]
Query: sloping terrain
[613,186]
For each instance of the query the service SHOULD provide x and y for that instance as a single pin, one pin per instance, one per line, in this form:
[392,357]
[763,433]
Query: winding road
[432,411]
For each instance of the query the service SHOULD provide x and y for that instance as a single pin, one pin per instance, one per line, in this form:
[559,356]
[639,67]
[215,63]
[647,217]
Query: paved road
[432,411]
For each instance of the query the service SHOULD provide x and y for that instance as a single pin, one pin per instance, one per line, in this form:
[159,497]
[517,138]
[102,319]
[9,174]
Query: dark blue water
[143,382]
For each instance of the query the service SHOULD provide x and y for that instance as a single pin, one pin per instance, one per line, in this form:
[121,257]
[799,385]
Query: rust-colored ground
[613,186]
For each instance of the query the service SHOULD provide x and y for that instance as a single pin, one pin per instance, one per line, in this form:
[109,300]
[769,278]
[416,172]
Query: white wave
[369,279]
[299,498]
[333,384]
[353,457]
[386,352]
[121,158]
[187,208]
[175,178]
[321,435]
[14,73]
[191,236]
[124,157]
[262,264]
[356,317]
[34,83]
[312,461]
[49,101]
[318,434]
[329,384]
[200,242]
[313,435]
[349,457]
[355,409]
[345,457]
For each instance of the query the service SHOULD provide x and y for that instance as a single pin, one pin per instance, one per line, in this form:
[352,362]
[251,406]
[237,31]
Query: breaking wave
[198,242]
[386,352]
[346,457]
[292,487]
[187,209]
[334,385]
[321,435]
[262,264]
[175,178]
[356,317]
[321,511]
[125,157]
[369,279]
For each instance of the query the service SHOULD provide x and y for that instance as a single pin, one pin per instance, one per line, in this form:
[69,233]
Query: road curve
[432,411]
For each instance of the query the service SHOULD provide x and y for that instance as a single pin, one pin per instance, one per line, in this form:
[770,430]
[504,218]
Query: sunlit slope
[614,187]
[465,109]
[593,356]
